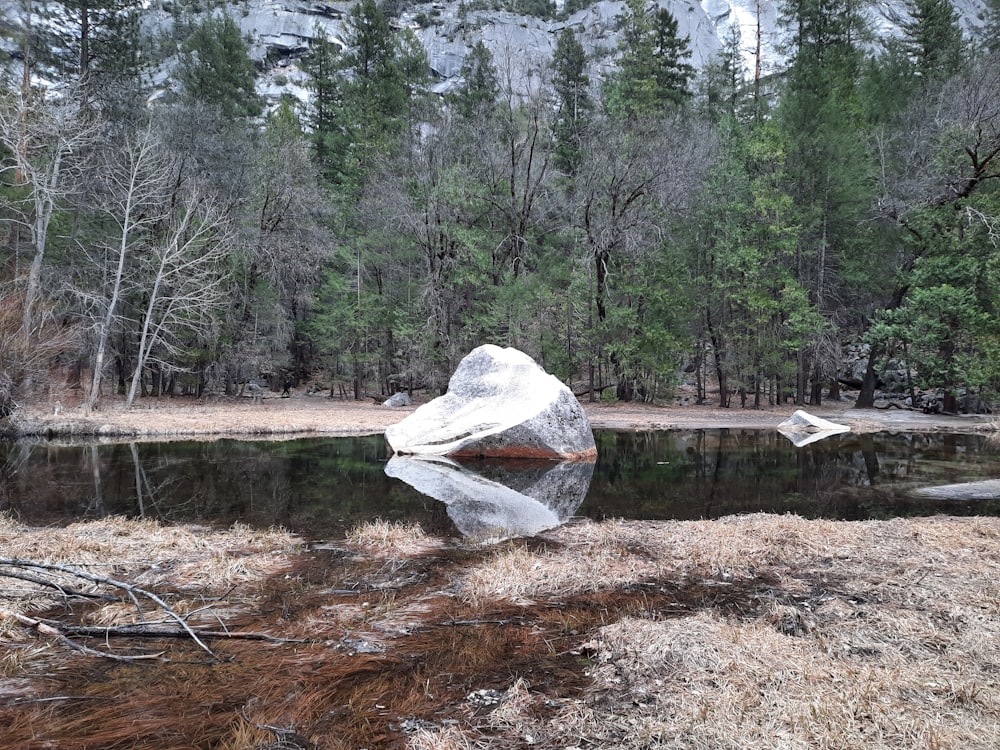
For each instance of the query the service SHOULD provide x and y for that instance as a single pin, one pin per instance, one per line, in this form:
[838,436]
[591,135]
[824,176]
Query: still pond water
[322,487]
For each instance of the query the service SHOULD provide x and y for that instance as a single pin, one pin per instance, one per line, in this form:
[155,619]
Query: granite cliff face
[282,30]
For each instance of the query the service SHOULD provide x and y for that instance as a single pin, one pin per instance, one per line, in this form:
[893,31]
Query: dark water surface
[321,487]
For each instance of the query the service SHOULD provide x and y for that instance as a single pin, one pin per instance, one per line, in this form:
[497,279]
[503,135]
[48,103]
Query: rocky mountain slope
[282,30]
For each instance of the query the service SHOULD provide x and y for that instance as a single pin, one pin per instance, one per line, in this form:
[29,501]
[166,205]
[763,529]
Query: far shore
[305,416]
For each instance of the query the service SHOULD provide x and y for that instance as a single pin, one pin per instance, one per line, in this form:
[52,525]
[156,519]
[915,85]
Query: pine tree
[827,164]
[98,44]
[573,101]
[669,52]
[721,81]
[934,38]
[480,88]
[371,56]
[215,69]
[652,74]
[991,29]
[364,99]
[324,64]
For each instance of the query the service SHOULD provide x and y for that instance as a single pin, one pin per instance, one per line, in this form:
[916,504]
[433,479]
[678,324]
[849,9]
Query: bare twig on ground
[133,592]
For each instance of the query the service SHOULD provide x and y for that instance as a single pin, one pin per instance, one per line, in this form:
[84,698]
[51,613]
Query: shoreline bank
[302,416]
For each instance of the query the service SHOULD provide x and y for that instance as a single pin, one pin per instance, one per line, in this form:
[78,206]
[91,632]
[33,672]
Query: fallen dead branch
[153,630]
[43,628]
[54,576]
[46,568]
[64,634]
[38,571]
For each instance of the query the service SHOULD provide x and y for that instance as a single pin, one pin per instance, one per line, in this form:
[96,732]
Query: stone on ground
[398,400]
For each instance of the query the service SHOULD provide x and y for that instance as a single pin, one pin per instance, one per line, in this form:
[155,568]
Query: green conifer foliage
[573,102]
[323,64]
[990,34]
[364,94]
[934,38]
[828,166]
[480,89]
[215,69]
[652,75]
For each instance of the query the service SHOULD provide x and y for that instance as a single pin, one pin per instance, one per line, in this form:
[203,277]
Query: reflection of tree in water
[323,486]
[710,473]
[320,486]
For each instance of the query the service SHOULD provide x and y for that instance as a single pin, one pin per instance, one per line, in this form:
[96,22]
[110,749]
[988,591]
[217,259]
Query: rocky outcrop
[499,403]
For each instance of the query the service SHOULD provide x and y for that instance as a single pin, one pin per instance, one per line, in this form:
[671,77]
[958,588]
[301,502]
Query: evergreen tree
[887,83]
[933,38]
[828,166]
[480,87]
[324,65]
[721,81]
[948,323]
[215,69]
[991,29]
[371,58]
[940,187]
[669,52]
[652,74]
[754,312]
[366,108]
[98,44]
[573,103]
[93,37]
[364,102]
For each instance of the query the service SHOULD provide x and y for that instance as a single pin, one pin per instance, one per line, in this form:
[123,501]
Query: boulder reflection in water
[521,498]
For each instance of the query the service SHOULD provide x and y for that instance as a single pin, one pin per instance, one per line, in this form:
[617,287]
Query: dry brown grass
[202,561]
[145,544]
[871,635]
[757,632]
[388,538]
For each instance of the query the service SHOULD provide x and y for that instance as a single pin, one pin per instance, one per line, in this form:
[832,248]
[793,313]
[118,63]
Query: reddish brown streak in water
[330,695]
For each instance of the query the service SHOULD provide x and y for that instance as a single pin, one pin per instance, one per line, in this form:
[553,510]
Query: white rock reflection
[803,428]
[509,499]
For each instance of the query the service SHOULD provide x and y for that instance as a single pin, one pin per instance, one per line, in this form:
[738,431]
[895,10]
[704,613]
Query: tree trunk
[800,378]
[718,355]
[866,397]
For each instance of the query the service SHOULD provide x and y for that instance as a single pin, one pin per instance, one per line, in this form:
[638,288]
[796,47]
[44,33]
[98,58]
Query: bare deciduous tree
[166,251]
[48,136]
[183,281]
[946,145]
[136,188]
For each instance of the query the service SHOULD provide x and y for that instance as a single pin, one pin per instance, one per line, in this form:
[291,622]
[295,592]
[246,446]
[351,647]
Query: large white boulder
[499,403]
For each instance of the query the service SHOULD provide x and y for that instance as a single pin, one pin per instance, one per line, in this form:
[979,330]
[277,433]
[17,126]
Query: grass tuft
[388,537]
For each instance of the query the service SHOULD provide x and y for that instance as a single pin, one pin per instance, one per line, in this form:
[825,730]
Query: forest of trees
[658,224]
